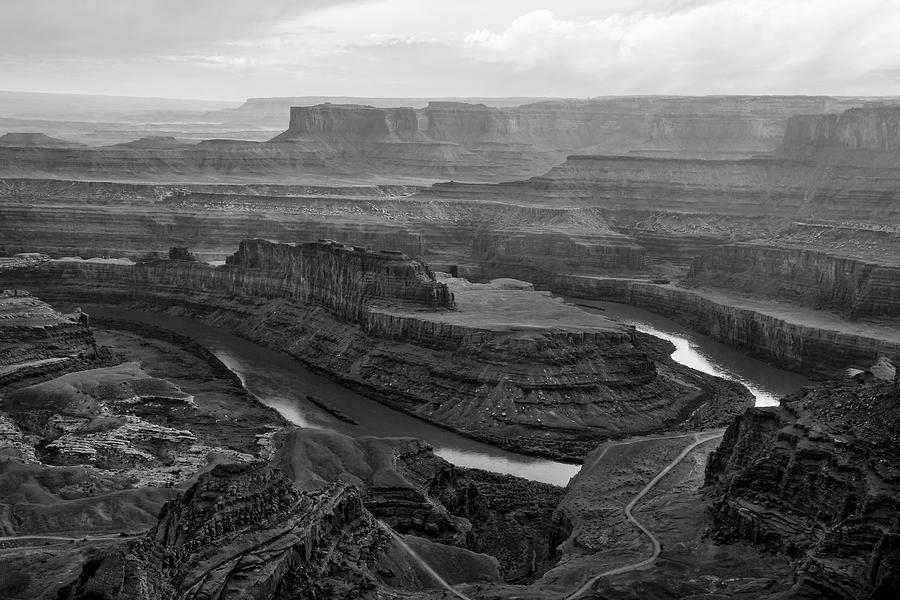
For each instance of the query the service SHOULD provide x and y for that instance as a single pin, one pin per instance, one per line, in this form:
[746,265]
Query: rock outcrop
[875,126]
[731,125]
[402,482]
[854,287]
[817,479]
[35,140]
[244,531]
[37,343]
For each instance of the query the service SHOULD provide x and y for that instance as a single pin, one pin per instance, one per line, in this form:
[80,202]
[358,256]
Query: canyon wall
[875,126]
[687,125]
[443,140]
[805,342]
[850,286]
[817,479]
[506,366]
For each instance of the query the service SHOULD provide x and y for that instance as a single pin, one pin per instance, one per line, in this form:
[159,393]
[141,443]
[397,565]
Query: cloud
[234,48]
[123,28]
[703,47]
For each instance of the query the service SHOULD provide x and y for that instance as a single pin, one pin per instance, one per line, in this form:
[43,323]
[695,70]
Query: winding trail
[421,562]
[585,587]
[657,548]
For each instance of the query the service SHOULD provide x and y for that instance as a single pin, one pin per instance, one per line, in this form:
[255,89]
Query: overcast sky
[234,49]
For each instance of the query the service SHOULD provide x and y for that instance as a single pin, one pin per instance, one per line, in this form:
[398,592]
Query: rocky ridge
[244,531]
[817,479]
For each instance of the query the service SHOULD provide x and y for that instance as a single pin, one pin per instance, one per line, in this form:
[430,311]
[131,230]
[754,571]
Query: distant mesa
[155,142]
[36,140]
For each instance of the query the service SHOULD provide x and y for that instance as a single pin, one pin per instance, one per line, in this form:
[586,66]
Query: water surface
[766,382]
[282,383]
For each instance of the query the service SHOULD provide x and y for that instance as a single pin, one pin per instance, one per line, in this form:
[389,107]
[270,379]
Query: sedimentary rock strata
[817,479]
[401,481]
[499,364]
[817,276]
[793,337]
[37,342]
[247,531]
[241,530]
[440,141]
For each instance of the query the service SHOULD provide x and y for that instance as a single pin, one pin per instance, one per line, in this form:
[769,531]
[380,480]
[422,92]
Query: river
[766,382]
[283,384]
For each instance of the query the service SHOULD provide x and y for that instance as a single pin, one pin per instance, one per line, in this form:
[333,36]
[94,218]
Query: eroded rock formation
[439,141]
[817,479]
[244,531]
[506,365]
[37,342]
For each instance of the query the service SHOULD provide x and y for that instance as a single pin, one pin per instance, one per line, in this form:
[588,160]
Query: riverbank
[815,343]
[542,378]
[715,401]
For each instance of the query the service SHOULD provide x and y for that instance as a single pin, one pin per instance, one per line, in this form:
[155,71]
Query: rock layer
[800,339]
[853,287]
[506,366]
[817,478]
[37,343]
[243,531]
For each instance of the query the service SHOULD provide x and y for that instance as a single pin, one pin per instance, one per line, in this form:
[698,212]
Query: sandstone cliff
[37,343]
[401,481]
[821,278]
[817,479]
[692,126]
[875,126]
[443,140]
[815,342]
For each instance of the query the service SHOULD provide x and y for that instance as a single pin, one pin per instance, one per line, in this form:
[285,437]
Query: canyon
[499,362]
[415,254]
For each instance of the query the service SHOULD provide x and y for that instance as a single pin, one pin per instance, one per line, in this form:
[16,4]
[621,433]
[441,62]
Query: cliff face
[539,253]
[872,127]
[344,278]
[507,366]
[850,286]
[37,343]
[817,479]
[804,341]
[691,126]
[401,481]
[444,140]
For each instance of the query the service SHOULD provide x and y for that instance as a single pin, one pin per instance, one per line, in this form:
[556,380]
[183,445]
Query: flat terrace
[508,305]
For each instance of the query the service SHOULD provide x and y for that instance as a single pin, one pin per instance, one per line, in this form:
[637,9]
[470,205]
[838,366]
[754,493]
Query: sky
[235,49]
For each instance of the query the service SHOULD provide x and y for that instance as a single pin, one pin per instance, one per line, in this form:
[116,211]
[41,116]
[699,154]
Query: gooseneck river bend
[282,383]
